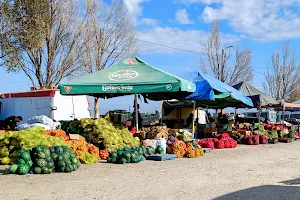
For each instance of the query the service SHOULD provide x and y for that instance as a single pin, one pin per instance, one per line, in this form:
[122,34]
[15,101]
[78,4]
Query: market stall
[212,93]
[131,76]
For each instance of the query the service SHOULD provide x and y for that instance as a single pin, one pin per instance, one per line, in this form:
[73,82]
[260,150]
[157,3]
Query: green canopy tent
[131,76]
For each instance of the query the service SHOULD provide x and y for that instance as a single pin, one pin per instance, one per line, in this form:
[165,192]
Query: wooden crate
[245,132]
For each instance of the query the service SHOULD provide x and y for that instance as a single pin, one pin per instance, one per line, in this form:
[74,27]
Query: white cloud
[259,19]
[149,21]
[134,6]
[190,40]
[182,17]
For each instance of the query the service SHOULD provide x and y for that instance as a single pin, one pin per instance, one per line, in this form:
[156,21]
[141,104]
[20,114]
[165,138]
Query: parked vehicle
[253,116]
[44,102]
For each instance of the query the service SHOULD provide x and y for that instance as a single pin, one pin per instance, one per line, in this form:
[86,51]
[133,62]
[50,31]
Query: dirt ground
[247,172]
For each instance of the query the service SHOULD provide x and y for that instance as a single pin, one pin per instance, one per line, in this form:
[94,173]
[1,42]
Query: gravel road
[247,172]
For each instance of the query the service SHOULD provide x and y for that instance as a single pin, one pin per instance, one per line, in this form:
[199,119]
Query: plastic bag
[152,143]
[255,139]
[88,158]
[220,144]
[263,139]
[40,119]
[162,142]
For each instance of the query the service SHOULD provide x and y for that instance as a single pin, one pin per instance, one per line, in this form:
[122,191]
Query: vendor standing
[222,122]
[189,120]
[140,119]
[10,123]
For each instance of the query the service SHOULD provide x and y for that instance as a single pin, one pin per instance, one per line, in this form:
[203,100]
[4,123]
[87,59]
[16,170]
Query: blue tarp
[209,88]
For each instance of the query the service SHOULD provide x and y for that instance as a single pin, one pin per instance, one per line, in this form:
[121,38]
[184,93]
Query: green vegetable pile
[42,161]
[24,163]
[12,141]
[65,159]
[147,151]
[126,155]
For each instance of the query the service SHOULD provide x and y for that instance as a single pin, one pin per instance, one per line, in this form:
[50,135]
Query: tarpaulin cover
[259,98]
[216,94]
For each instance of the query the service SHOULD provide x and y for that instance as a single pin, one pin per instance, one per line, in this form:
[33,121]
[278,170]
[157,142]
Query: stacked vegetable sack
[13,141]
[189,149]
[103,132]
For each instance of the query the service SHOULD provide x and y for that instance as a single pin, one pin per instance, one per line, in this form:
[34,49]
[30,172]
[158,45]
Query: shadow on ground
[287,191]
[4,171]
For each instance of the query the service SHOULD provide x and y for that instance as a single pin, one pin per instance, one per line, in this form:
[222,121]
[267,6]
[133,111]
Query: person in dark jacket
[10,123]
[189,120]
[140,119]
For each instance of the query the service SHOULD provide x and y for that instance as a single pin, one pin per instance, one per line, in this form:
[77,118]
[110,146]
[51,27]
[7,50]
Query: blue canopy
[216,94]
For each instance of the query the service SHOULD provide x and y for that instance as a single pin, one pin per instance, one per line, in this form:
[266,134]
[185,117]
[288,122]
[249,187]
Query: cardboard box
[210,130]
[229,133]
[245,132]
[74,136]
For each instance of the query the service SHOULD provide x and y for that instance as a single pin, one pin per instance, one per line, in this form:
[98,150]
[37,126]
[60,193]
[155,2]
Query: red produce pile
[223,136]
[220,142]
[207,143]
[251,139]
[263,139]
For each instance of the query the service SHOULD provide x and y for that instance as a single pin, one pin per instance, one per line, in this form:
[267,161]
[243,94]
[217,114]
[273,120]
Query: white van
[44,102]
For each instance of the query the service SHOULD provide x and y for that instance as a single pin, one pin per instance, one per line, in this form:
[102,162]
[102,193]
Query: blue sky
[260,25]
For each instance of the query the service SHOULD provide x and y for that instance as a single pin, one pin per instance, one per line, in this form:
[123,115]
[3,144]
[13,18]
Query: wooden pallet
[162,157]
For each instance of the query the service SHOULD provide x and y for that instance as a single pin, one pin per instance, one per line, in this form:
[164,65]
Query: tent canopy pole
[194,108]
[136,112]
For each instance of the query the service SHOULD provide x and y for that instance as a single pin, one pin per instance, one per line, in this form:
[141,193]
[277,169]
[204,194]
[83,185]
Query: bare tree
[282,77]
[216,61]
[242,70]
[41,38]
[109,35]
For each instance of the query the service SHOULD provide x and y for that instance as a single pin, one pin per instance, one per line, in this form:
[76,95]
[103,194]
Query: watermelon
[45,170]
[41,163]
[26,156]
[59,158]
[50,165]
[61,163]
[23,169]
[127,155]
[21,161]
[13,169]
[52,150]
[74,160]
[54,156]
[41,155]
[68,169]
[78,164]
[74,167]
[47,152]
[38,149]
[37,170]
[122,161]
[59,150]
[159,149]
[29,163]
[71,167]
[62,169]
